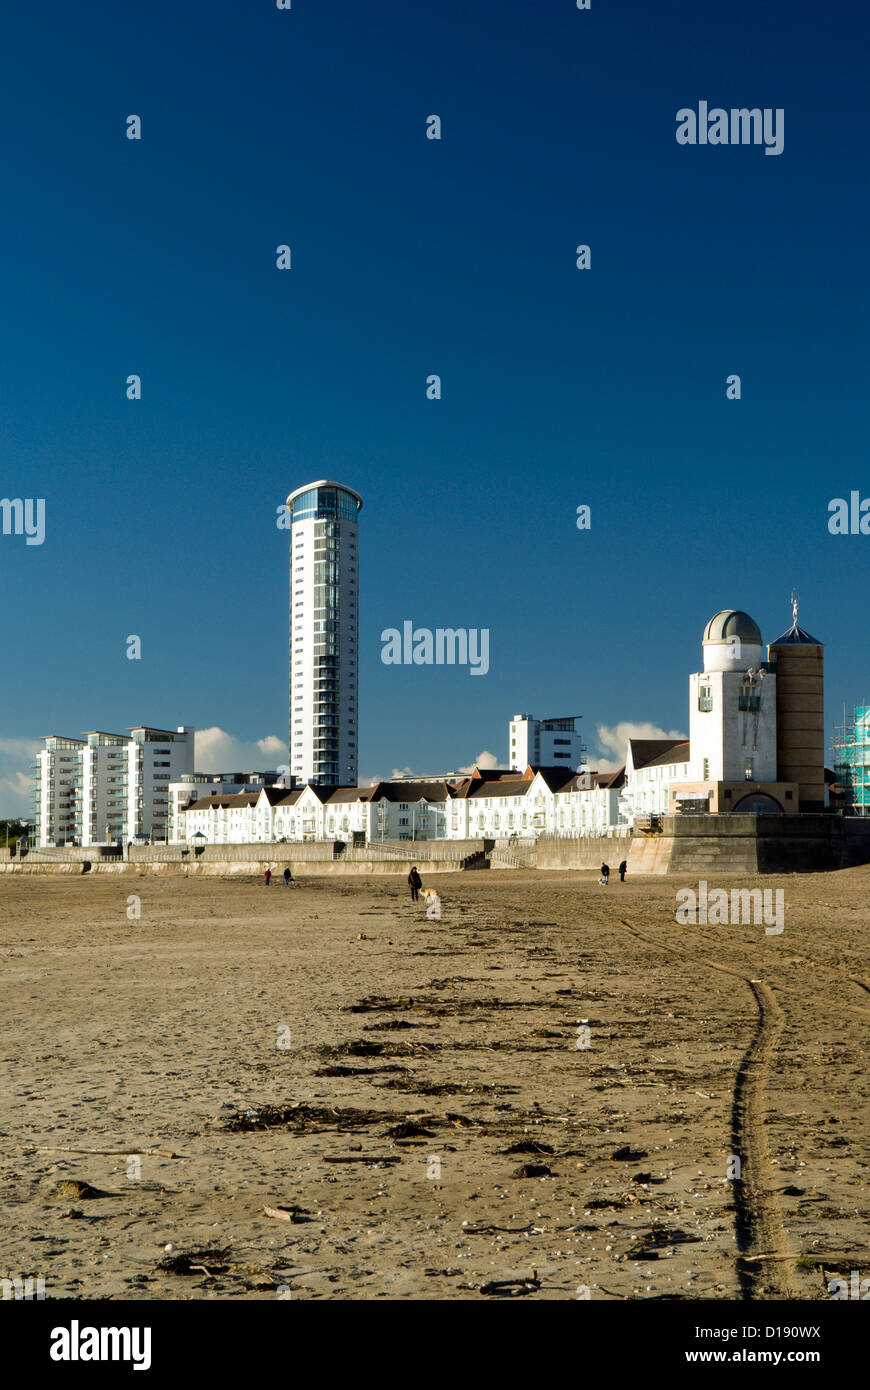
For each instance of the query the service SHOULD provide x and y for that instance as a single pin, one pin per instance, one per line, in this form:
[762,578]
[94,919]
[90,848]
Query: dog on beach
[433,904]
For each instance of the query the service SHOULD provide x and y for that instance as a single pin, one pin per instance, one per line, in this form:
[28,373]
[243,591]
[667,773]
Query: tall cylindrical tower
[800,714]
[324,633]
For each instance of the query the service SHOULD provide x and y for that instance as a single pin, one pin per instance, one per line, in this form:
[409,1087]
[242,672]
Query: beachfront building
[590,805]
[545,743]
[755,723]
[232,817]
[107,788]
[321,813]
[324,633]
[193,786]
[496,804]
[505,805]
[756,735]
[409,810]
[652,766]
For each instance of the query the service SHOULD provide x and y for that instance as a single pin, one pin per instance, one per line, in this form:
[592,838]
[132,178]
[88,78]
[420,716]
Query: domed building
[731,640]
[734,756]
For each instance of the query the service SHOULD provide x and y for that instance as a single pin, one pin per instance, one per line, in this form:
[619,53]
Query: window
[705,698]
[706,775]
[749,697]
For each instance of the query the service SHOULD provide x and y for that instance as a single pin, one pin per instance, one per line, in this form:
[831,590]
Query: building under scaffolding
[851,745]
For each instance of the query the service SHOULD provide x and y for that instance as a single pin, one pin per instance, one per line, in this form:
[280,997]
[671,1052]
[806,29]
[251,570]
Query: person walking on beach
[605,874]
[415,883]
[622,868]
[288,877]
[268,877]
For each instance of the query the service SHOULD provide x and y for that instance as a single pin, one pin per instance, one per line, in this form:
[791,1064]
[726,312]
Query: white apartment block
[545,743]
[324,633]
[108,788]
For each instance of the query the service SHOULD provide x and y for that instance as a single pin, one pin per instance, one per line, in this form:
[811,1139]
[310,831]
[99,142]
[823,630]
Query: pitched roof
[416,791]
[346,794]
[207,803]
[796,637]
[273,795]
[500,774]
[645,751]
[475,790]
[584,781]
[677,753]
[613,779]
[555,777]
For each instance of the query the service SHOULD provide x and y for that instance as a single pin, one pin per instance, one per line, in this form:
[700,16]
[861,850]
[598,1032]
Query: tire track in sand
[758,1223]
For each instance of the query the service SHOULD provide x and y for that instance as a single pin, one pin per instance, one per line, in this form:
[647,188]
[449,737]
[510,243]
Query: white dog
[433,904]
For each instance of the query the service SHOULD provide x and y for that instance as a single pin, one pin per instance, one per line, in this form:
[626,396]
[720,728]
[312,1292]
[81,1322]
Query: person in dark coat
[415,883]
[605,874]
[287,878]
[622,868]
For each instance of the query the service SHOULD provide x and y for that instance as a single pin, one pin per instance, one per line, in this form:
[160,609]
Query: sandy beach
[413,1099]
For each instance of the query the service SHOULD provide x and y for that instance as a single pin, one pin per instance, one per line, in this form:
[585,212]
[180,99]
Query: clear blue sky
[413,257]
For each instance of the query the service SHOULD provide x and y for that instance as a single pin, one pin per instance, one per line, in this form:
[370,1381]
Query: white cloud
[483,760]
[15,789]
[218,751]
[613,740]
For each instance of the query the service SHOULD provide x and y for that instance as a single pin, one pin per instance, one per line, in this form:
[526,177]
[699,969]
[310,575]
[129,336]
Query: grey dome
[733,622]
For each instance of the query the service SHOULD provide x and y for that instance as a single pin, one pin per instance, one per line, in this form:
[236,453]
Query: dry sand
[705,1042]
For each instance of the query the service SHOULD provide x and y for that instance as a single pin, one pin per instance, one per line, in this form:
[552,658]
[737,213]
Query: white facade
[652,767]
[732,719]
[229,818]
[193,786]
[545,743]
[303,816]
[108,788]
[57,781]
[591,807]
[324,633]
[732,730]
[489,805]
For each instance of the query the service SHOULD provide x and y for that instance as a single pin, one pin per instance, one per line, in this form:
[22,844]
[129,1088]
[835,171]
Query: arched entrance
[758,804]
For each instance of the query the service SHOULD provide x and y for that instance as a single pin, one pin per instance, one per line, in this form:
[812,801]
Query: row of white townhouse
[490,803]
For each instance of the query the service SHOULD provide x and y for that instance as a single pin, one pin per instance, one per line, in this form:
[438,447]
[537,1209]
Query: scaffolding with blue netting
[851,745]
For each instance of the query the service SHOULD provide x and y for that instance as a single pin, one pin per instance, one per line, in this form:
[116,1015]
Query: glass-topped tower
[324,632]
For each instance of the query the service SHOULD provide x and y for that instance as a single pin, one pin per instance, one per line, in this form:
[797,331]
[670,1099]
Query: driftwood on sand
[116,1153]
